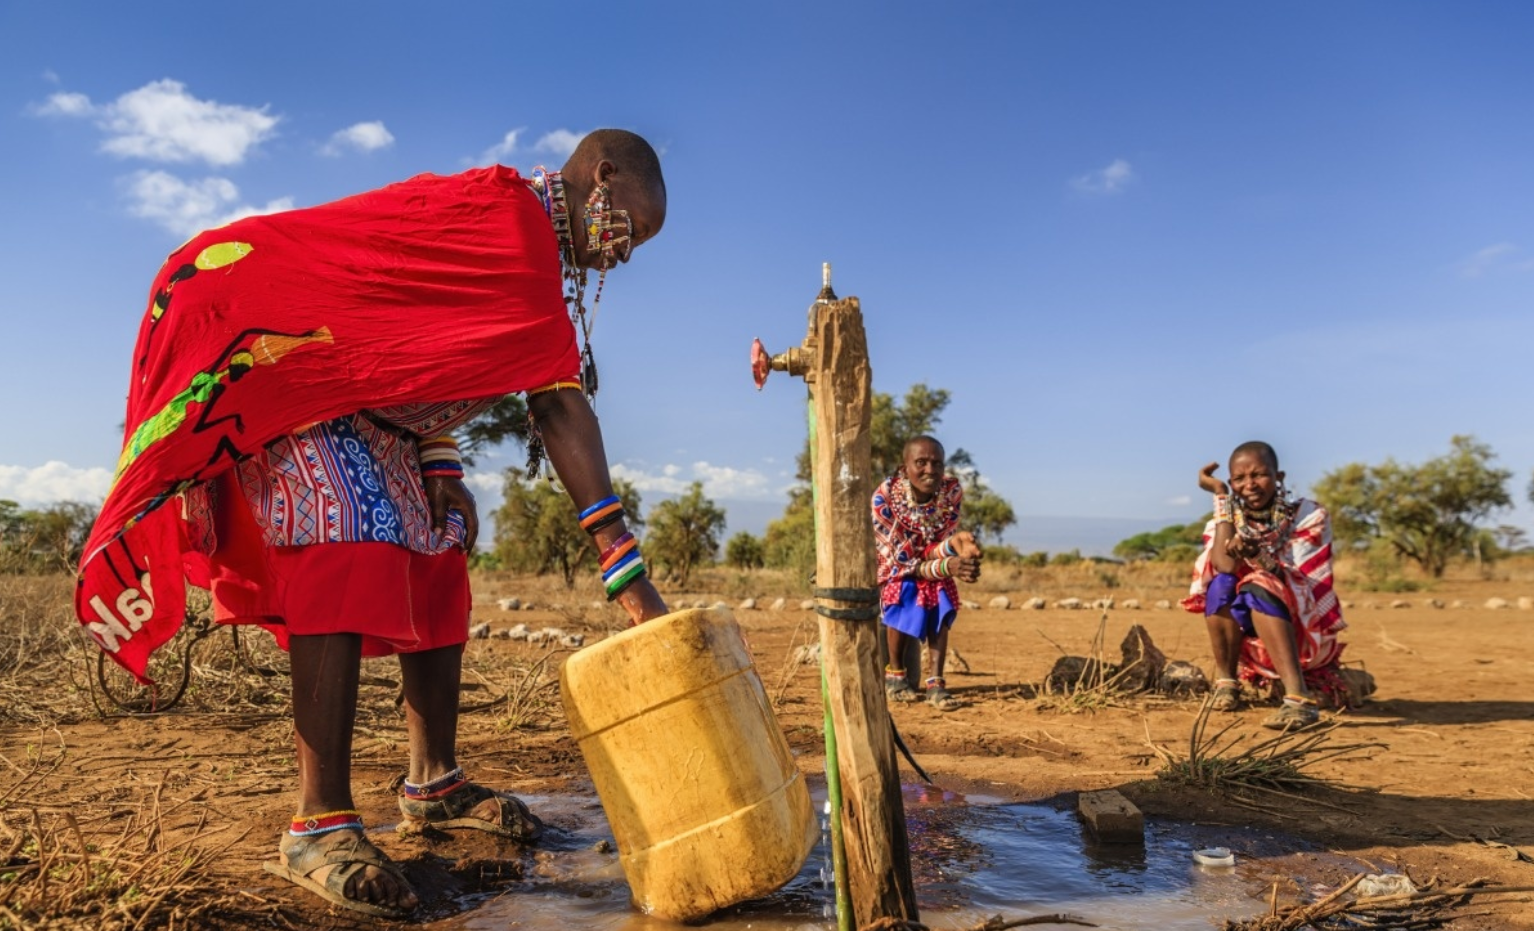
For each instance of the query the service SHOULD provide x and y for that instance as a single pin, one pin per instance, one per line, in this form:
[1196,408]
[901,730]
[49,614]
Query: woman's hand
[642,602]
[965,568]
[1209,483]
[965,544]
[451,494]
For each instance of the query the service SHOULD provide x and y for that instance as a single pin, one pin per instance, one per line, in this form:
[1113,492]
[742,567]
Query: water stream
[972,857]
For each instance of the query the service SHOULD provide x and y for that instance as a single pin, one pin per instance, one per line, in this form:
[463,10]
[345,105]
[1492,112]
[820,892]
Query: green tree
[538,530]
[744,551]
[1429,513]
[1176,543]
[506,420]
[47,539]
[985,513]
[789,543]
[684,533]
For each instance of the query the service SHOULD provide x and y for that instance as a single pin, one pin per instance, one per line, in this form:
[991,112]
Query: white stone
[1164,605]
[1035,603]
[1400,603]
[778,604]
[537,636]
[1131,604]
[518,632]
[1103,604]
[1347,606]
[1496,603]
[553,633]
[807,604]
[528,606]
[1001,602]
[970,605]
[718,605]
[807,654]
[1526,604]
[501,633]
[1069,604]
[479,632]
[510,604]
[1459,603]
[748,604]
[573,640]
[1434,603]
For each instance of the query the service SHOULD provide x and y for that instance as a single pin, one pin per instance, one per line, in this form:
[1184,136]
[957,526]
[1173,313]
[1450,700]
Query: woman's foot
[1296,714]
[938,695]
[896,688]
[469,805]
[342,867]
[1227,695]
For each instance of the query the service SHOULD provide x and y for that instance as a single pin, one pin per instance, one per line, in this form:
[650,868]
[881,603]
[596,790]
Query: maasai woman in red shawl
[1264,586]
[921,551]
[294,386]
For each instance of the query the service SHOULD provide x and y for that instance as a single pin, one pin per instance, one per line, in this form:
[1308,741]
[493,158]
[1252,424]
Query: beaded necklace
[1263,533]
[550,188]
[929,518]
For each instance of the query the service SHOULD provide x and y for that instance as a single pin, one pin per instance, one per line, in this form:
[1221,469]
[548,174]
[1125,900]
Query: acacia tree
[538,530]
[47,539]
[684,533]
[744,551]
[1428,513]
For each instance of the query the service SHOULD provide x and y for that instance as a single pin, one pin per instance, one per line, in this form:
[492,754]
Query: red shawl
[433,289]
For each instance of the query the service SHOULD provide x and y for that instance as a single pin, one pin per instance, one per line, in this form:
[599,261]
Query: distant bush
[1002,555]
[1035,560]
[1065,559]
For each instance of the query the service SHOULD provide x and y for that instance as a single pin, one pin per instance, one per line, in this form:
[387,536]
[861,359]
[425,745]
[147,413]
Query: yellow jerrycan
[700,789]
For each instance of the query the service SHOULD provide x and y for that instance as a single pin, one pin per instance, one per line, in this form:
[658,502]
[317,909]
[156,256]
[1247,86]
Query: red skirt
[399,600]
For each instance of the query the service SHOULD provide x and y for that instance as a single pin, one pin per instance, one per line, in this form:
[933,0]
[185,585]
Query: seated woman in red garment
[921,552]
[1264,585]
[326,500]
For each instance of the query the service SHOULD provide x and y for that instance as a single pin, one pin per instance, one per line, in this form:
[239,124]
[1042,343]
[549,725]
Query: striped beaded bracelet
[599,515]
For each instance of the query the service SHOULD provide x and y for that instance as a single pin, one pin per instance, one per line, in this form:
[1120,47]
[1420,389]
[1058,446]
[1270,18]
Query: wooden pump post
[834,364]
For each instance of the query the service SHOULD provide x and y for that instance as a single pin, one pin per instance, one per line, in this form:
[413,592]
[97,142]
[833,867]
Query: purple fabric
[1241,602]
[912,619]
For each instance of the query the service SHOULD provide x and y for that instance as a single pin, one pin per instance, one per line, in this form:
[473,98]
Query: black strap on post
[866,596]
[869,613]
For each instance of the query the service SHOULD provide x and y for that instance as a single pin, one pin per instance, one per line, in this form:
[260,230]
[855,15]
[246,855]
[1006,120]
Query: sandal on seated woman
[330,856]
[452,801]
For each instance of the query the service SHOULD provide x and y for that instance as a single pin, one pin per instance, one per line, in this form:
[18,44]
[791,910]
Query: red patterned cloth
[905,532]
[1302,579]
[435,289]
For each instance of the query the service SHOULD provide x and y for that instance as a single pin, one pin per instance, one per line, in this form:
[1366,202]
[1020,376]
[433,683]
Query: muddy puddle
[972,856]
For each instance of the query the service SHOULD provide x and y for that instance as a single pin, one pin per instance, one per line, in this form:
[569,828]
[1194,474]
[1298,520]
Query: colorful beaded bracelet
[556,386]
[436,788]
[310,825]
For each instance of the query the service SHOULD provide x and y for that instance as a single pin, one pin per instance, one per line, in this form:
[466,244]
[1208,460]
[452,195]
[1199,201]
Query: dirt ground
[1449,794]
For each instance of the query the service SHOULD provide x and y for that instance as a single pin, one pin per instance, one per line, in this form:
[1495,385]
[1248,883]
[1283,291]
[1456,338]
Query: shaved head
[905,451]
[629,151]
[1257,448]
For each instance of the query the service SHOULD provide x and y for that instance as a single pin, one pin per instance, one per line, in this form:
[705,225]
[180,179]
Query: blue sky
[1125,236]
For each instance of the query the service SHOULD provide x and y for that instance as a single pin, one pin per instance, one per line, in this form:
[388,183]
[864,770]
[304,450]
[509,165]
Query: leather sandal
[1227,695]
[454,810]
[938,695]
[896,688]
[350,852]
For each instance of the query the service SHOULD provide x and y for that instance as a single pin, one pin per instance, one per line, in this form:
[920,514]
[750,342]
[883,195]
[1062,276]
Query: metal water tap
[796,360]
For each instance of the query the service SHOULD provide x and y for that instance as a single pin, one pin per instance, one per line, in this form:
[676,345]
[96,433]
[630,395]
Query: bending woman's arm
[573,441]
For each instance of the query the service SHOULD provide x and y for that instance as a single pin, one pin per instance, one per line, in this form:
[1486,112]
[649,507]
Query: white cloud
[560,142]
[500,150]
[1110,180]
[361,137]
[51,482]
[719,482]
[187,208]
[65,104]
[51,76]
[161,122]
[1181,501]
[1496,257]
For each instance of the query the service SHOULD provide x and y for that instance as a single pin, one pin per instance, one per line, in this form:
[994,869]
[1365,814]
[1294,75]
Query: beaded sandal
[1227,695]
[449,802]
[349,852]
[938,695]
[896,688]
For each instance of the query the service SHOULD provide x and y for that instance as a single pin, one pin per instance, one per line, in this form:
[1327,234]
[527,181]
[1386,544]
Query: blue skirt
[912,619]
[1223,594]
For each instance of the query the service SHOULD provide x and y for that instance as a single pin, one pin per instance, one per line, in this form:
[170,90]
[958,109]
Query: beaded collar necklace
[1264,532]
[550,188]
[929,518]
